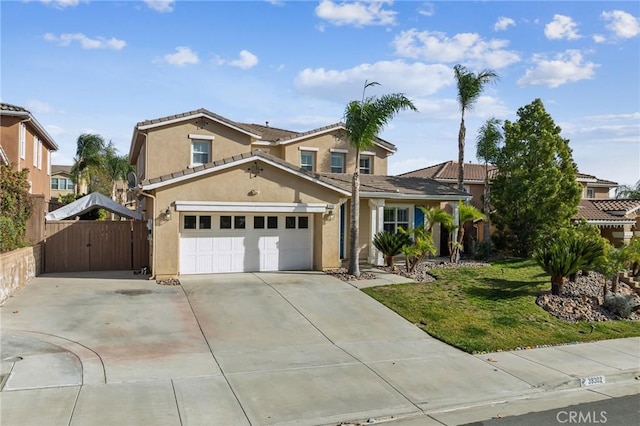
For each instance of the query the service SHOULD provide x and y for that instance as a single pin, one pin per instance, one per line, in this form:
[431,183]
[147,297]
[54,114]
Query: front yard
[492,308]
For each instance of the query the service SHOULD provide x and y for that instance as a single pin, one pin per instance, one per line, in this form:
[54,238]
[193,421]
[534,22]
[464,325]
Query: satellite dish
[132,180]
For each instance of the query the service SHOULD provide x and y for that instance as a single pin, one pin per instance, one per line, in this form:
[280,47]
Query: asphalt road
[624,411]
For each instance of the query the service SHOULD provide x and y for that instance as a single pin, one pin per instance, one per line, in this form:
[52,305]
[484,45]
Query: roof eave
[39,127]
[404,196]
[191,117]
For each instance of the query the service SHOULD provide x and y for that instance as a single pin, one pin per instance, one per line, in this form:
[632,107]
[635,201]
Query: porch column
[377,225]
[456,220]
[436,237]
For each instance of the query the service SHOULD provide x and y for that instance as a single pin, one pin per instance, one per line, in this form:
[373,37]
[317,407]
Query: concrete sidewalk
[262,349]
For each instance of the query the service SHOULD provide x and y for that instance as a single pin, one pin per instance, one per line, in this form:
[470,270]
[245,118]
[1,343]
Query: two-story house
[617,219]
[25,144]
[223,196]
[61,181]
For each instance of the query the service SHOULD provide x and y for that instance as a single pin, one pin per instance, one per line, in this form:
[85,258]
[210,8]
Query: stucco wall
[17,267]
[235,184]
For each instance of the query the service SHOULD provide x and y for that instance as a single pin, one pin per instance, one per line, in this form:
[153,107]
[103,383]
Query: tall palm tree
[470,87]
[364,120]
[487,147]
[630,192]
[89,155]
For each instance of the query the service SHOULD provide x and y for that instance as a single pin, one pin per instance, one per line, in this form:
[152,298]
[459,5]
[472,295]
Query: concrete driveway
[233,349]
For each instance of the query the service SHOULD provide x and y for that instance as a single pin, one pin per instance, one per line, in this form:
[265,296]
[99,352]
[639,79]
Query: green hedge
[15,207]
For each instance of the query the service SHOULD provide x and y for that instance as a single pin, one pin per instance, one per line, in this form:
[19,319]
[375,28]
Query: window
[225,222]
[190,222]
[22,136]
[200,152]
[307,160]
[48,162]
[365,165]
[258,222]
[590,193]
[239,222]
[396,217]
[290,222]
[272,222]
[54,183]
[70,184]
[303,222]
[35,151]
[39,154]
[205,222]
[337,162]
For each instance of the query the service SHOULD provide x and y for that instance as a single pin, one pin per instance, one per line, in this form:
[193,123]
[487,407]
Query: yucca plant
[390,244]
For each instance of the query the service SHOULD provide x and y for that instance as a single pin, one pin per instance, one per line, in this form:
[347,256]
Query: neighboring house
[25,144]
[229,197]
[618,220]
[61,181]
[615,218]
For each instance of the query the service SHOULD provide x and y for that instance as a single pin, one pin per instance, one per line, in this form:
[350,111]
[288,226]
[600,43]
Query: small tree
[390,244]
[89,158]
[633,253]
[488,144]
[610,265]
[420,245]
[15,207]
[466,213]
[564,252]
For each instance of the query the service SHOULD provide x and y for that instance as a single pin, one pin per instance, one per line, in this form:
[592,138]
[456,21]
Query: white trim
[400,196]
[308,148]
[262,143]
[339,150]
[611,222]
[248,207]
[22,140]
[237,163]
[373,154]
[191,117]
[202,137]
[209,160]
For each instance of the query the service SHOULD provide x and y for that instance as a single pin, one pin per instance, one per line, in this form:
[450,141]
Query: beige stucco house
[223,196]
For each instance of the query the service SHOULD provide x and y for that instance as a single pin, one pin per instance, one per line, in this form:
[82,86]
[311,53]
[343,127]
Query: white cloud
[464,47]
[162,6]
[427,9]
[61,4]
[599,38]
[562,27]
[358,14]
[276,2]
[622,24]
[86,42]
[564,68]
[503,23]
[416,79]
[245,61]
[183,56]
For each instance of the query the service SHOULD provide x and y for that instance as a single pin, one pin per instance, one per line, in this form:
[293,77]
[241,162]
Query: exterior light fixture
[167,214]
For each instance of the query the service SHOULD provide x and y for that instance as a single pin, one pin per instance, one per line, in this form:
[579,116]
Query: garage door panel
[243,250]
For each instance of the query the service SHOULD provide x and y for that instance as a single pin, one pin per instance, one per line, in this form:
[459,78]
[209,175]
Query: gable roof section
[18,111]
[226,163]
[448,171]
[619,206]
[582,177]
[57,169]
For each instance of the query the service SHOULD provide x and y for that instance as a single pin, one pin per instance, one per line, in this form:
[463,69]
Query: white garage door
[214,243]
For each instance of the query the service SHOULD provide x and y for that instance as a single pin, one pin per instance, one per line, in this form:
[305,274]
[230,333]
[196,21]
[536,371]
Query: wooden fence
[76,246]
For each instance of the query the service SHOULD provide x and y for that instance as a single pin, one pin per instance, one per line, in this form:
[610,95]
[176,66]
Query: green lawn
[491,308]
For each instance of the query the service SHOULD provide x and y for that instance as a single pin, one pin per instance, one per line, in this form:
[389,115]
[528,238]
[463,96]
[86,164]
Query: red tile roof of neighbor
[449,171]
[601,210]
[627,206]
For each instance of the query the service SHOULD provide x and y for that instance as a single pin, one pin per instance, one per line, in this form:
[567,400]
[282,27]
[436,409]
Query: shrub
[390,245]
[619,304]
[15,207]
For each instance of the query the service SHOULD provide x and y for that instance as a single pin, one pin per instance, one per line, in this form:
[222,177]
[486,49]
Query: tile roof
[369,183]
[271,134]
[187,114]
[600,210]
[582,177]
[449,171]
[9,107]
[60,169]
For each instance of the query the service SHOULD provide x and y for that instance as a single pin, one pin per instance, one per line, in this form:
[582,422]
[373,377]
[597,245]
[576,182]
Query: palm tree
[117,167]
[487,147]
[470,87]
[89,156]
[434,215]
[363,121]
[629,191]
[466,213]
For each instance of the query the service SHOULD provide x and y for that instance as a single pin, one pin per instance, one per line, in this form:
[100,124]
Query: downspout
[153,231]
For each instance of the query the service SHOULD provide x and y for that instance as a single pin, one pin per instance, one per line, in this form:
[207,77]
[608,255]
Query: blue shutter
[418,217]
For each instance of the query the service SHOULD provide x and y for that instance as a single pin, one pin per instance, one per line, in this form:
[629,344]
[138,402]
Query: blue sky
[102,66]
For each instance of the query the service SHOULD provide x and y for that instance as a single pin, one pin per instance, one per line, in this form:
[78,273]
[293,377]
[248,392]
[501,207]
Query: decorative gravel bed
[344,275]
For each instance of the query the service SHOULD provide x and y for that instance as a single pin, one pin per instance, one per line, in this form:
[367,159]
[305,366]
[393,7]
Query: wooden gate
[77,246]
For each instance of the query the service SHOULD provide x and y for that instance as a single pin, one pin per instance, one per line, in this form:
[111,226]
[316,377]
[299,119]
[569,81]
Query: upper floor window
[365,165]
[337,162]
[39,154]
[35,151]
[54,183]
[591,193]
[307,158]
[22,137]
[200,152]
[61,183]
